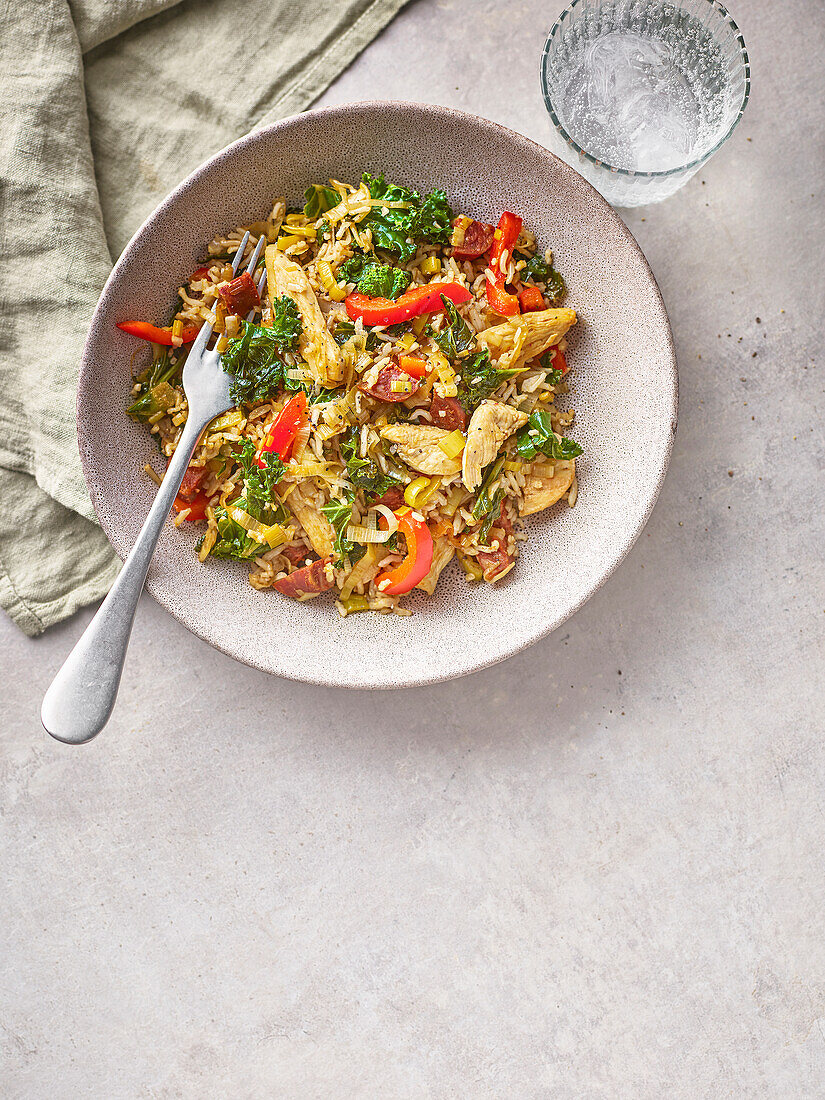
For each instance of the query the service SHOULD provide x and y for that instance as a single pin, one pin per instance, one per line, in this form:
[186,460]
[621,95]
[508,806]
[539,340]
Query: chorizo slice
[240,295]
[448,412]
[296,554]
[478,238]
[382,386]
[192,481]
[309,581]
[392,499]
[495,563]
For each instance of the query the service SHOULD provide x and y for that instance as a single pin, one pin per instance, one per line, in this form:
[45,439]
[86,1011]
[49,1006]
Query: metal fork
[80,699]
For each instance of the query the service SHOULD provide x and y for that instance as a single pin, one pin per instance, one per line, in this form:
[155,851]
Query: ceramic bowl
[623,380]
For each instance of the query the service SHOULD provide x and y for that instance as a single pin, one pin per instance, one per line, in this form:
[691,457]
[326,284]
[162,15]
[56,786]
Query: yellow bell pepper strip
[506,235]
[147,331]
[284,429]
[413,303]
[416,565]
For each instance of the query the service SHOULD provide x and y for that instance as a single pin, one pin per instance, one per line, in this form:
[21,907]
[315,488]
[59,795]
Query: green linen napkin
[107,105]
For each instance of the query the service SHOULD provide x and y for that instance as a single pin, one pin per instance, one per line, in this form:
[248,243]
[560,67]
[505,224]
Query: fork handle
[81,697]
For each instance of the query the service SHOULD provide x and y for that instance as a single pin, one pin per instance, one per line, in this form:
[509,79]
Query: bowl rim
[632,173]
[345,109]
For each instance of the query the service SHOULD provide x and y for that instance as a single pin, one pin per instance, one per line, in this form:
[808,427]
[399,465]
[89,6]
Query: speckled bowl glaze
[624,382]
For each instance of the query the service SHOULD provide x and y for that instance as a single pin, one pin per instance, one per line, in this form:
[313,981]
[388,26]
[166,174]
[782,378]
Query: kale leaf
[537,435]
[339,514]
[156,393]
[318,199]
[345,330]
[254,357]
[392,231]
[383,281]
[259,484]
[479,379]
[316,395]
[233,540]
[399,228]
[364,473]
[484,502]
[536,267]
[487,505]
[373,278]
[552,375]
[457,338]
[435,218]
[286,325]
[492,514]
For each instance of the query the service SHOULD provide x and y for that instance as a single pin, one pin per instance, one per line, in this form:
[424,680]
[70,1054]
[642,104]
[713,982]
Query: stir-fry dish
[395,395]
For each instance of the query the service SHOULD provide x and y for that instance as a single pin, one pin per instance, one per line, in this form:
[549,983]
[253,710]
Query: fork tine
[237,259]
[202,338]
[256,255]
[261,287]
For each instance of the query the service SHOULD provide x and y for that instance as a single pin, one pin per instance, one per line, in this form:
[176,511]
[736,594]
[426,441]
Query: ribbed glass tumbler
[644,91]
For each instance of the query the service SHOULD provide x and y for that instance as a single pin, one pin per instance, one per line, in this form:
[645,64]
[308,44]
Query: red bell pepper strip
[413,365]
[197,507]
[157,335]
[416,565]
[199,273]
[416,301]
[559,361]
[284,429]
[504,303]
[530,298]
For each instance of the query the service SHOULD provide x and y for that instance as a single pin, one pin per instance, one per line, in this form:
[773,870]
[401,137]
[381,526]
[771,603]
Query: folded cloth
[106,105]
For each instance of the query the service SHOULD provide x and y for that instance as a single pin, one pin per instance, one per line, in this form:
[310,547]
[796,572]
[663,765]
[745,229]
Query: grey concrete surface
[593,871]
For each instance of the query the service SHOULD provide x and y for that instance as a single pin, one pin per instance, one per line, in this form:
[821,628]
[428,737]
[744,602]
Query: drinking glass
[644,91]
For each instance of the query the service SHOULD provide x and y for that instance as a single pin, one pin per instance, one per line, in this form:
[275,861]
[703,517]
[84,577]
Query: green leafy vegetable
[435,218]
[383,281]
[488,505]
[484,501]
[537,435]
[286,325]
[318,199]
[479,379]
[536,267]
[254,357]
[372,278]
[339,514]
[233,541]
[363,472]
[254,360]
[552,375]
[316,395]
[491,516]
[156,392]
[397,229]
[345,330]
[260,484]
[457,338]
